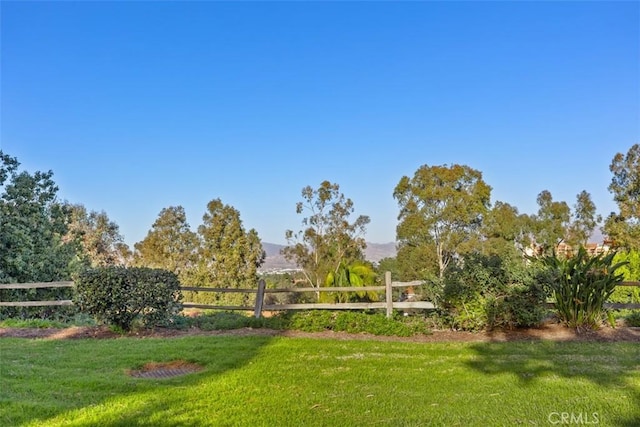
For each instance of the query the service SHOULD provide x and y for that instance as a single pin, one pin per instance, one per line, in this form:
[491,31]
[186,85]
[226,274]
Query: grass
[294,381]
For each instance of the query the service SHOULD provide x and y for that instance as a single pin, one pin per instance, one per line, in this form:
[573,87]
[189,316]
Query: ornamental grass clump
[580,285]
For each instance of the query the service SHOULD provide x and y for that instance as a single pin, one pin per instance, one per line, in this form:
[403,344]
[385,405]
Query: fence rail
[388,304]
[37,285]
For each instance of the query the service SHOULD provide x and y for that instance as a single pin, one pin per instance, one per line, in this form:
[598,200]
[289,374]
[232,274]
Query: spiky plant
[580,285]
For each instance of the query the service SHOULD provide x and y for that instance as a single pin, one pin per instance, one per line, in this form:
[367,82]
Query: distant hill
[275,261]
[377,251]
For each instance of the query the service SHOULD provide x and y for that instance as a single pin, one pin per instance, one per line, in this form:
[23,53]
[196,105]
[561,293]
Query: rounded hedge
[119,296]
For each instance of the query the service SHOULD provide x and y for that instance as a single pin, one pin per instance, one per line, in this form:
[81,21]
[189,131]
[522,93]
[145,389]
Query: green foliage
[32,248]
[580,285]
[490,292]
[170,244]
[119,296]
[623,227]
[630,269]
[353,322]
[633,319]
[227,257]
[357,274]
[32,240]
[220,320]
[99,241]
[505,231]
[329,238]
[52,313]
[442,207]
[551,224]
[584,221]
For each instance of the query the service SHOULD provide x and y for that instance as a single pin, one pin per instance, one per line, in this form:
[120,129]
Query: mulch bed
[551,331]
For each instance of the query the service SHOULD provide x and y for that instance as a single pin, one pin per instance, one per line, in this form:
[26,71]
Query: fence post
[388,293]
[259,298]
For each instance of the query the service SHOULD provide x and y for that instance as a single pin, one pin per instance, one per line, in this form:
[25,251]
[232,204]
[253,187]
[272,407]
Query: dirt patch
[550,331]
[165,369]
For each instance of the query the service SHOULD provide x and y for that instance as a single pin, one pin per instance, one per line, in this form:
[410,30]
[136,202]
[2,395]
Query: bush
[633,319]
[225,320]
[351,322]
[119,296]
[488,292]
[580,285]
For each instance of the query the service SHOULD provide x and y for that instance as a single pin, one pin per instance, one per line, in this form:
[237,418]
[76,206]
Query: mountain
[376,251]
[275,261]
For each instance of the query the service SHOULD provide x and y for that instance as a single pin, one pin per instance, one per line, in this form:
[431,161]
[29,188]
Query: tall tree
[32,226]
[101,243]
[624,227]
[228,255]
[441,206]
[551,222]
[329,239]
[170,244]
[505,231]
[584,221]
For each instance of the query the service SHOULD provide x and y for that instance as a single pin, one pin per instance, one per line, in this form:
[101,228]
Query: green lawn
[253,381]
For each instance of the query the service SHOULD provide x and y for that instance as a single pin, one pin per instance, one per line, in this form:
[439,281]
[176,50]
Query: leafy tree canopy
[441,206]
[170,244]
[99,238]
[229,256]
[33,224]
[624,226]
[551,223]
[585,220]
[329,239]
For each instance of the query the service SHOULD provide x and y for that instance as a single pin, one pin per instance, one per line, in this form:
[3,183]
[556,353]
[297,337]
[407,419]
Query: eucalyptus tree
[505,231]
[328,239]
[441,207]
[99,239]
[584,221]
[551,223]
[227,256]
[623,227]
[170,244]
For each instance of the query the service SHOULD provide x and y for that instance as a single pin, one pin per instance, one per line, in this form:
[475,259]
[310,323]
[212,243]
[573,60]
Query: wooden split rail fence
[388,304]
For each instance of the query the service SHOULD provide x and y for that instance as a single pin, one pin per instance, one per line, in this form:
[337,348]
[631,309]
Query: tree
[505,231]
[624,227]
[170,244]
[33,224]
[99,238]
[551,222]
[585,220]
[228,255]
[329,239]
[441,206]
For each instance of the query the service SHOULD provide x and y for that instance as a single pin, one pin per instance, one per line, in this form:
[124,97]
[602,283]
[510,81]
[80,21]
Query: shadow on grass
[609,365]
[84,382]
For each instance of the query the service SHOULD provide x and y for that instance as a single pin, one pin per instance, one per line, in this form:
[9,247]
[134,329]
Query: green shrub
[487,292]
[580,285]
[119,296]
[350,321]
[633,319]
[225,320]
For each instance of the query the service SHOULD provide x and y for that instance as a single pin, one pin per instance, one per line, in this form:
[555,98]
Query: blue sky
[137,106]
